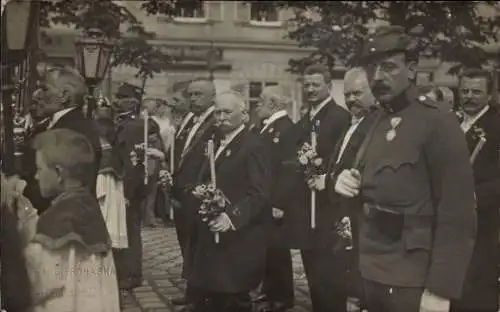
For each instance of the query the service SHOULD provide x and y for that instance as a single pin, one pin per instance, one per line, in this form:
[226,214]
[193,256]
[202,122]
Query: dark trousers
[223,302]
[278,279]
[325,279]
[129,261]
[385,298]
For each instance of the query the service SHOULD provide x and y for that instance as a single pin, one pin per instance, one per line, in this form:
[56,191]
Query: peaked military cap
[127,90]
[385,40]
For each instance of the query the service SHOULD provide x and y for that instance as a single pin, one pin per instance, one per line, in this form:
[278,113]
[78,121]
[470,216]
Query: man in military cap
[414,177]
[129,133]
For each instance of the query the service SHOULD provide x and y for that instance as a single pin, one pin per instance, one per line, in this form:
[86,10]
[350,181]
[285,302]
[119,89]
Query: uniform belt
[384,220]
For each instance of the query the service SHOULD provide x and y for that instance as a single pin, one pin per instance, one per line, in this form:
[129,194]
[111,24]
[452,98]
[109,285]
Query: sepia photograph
[250,156]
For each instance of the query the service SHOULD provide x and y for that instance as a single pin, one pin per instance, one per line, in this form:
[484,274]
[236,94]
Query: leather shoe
[179,301]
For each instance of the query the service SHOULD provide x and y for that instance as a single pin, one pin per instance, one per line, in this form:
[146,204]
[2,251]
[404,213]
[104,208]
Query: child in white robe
[67,248]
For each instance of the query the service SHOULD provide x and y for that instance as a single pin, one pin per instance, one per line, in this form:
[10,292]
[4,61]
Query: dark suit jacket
[189,163]
[271,137]
[346,207]
[236,263]
[480,290]
[73,120]
[293,195]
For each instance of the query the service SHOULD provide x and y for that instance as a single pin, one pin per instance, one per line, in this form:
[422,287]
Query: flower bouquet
[165,180]
[344,230]
[213,203]
[309,160]
[137,155]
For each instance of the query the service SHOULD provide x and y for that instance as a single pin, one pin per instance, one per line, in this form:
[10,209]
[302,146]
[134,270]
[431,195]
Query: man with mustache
[195,129]
[361,104]
[481,121]
[225,272]
[413,176]
[293,195]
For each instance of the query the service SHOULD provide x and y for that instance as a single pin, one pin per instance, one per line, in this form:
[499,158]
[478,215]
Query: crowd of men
[418,184]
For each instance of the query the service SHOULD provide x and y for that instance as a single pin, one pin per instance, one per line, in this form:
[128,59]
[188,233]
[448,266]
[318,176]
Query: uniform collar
[401,101]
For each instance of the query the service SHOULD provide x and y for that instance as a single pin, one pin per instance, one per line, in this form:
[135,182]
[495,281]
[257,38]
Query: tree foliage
[133,47]
[451,30]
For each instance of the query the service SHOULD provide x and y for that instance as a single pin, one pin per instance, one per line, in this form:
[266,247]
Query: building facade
[231,41]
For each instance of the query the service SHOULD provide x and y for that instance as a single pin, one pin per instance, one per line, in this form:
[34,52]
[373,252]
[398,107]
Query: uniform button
[422,98]
[373,50]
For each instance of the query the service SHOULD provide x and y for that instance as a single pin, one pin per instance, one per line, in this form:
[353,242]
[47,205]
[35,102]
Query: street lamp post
[16,25]
[93,54]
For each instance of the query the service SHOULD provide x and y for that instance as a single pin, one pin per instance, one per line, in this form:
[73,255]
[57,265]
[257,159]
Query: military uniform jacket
[292,193]
[480,287]
[130,131]
[236,263]
[421,181]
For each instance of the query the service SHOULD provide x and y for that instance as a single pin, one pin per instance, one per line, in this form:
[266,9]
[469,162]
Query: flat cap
[127,90]
[384,40]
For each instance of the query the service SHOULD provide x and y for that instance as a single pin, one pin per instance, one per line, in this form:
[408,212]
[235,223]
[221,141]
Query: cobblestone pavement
[162,265]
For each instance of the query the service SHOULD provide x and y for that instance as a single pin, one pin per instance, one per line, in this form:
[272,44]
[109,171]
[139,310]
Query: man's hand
[155,153]
[317,183]
[277,213]
[221,224]
[433,303]
[348,183]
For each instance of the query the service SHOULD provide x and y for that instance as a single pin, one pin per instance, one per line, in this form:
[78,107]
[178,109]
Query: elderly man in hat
[413,176]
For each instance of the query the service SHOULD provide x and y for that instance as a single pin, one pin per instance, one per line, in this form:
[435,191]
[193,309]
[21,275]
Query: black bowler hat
[386,40]
[127,90]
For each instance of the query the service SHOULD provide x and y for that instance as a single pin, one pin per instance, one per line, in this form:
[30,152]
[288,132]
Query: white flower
[303,160]
[318,162]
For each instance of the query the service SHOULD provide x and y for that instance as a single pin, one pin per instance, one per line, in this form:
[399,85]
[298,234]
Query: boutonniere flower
[478,133]
[276,140]
[460,115]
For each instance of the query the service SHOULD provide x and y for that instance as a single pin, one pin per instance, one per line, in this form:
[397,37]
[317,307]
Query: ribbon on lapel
[205,126]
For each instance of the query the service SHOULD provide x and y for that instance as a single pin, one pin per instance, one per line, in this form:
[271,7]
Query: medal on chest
[391,134]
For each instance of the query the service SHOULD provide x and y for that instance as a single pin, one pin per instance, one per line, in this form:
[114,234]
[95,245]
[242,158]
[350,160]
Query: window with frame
[195,11]
[264,14]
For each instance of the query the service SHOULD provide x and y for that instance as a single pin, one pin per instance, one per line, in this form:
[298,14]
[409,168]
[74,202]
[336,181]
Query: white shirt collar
[470,120]
[231,135]
[58,115]
[273,118]
[315,110]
